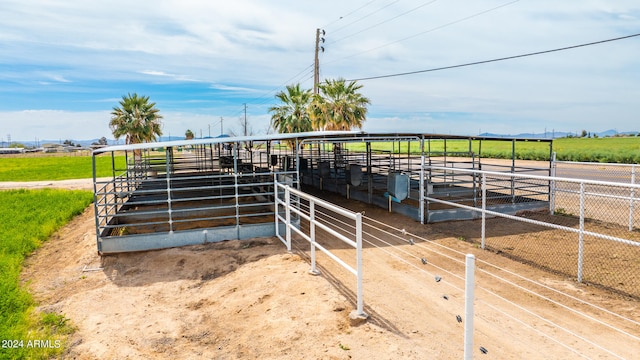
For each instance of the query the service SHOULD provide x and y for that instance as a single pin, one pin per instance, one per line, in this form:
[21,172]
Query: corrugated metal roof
[303,135]
[220,140]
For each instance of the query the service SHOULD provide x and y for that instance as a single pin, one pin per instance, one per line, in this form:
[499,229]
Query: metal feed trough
[189,192]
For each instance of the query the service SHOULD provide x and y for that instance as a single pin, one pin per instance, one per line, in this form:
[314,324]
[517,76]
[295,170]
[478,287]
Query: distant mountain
[547,135]
[557,134]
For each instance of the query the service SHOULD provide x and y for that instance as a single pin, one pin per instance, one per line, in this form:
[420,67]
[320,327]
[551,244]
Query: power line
[385,21]
[364,17]
[496,60]
[427,31]
[350,13]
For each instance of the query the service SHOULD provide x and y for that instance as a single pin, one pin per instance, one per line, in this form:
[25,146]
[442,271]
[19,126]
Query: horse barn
[177,193]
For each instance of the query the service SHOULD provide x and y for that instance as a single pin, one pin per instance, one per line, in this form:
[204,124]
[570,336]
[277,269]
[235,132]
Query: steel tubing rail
[535,222]
[311,238]
[540,177]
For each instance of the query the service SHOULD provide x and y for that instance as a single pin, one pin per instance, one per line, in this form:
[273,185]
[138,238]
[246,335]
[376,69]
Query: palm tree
[339,106]
[293,115]
[136,119]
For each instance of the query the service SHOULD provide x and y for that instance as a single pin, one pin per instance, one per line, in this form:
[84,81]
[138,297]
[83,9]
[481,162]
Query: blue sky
[65,64]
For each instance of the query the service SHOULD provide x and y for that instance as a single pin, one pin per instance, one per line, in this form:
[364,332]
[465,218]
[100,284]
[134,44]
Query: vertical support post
[287,197]
[298,149]
[236,155]
[168,168]
[113,165]
[581,234]
[237,200]
[369,174]
[422,200]
[484,209]
[469,296]
[513,171]
[275,203]
[360,301]
[95,201]
[552,185]
[126,165]
[631,196]
[312,235]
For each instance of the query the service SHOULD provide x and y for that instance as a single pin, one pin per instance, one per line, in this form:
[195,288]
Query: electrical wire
[497,59]
[383,22]
[427,31]
[364,17]
[350,13]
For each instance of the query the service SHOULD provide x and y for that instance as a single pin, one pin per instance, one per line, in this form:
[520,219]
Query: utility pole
[244,123]
[316,67]
[221,121]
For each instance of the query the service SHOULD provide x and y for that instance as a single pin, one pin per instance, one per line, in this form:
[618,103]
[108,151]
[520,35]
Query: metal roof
[220,140]
[344,135]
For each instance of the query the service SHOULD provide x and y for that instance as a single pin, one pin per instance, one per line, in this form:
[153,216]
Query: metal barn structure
[177,193]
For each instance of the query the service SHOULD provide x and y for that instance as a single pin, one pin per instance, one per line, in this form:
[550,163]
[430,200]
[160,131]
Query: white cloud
[241,47]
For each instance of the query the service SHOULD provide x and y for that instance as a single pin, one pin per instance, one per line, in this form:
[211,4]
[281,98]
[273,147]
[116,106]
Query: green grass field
[611,150]
[41,168]
[28,218]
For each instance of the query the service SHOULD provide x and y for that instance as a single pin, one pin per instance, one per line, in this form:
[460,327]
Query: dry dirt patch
[252,299]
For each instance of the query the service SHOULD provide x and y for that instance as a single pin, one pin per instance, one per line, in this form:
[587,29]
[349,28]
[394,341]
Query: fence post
[360,302]
[169,207]
[484,209]
[633,181]
[275,203]
[469,296]
[552,185]
[287,196]
[581,234]
[312,235]
[422,191]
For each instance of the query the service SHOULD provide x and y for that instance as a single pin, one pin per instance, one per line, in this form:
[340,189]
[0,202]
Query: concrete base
[356,319]
[154,241]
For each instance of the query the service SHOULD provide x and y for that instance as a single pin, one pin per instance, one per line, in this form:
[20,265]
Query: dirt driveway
[252,299]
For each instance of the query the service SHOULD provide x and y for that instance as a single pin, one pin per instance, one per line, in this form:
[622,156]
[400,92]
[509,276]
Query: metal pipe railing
[314,223]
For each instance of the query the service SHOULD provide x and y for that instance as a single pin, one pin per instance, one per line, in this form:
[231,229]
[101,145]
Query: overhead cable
[495,60]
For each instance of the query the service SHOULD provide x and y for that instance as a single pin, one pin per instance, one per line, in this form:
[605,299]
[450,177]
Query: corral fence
[291,203]
[618,173]
[588,233]
[314,219]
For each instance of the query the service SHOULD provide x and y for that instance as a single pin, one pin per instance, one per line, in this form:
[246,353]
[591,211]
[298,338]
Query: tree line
[338,105]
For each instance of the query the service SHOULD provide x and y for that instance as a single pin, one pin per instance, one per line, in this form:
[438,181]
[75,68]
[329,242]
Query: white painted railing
[581,231]
[291,203]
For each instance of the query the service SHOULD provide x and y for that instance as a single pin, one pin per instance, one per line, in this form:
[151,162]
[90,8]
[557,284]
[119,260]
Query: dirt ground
[253,299]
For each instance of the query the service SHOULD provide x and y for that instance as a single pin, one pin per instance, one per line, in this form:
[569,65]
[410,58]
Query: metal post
[468,306]
[552,185]
[275,203]
[631,196]
[237,199]
[287,196]
[422,200]
[581,234]
[312,235]
[168,168]
[513,171]
[95,201]
[369,174]
[484,209]
[360,304]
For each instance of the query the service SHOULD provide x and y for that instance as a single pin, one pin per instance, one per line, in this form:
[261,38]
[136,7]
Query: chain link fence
[589,233]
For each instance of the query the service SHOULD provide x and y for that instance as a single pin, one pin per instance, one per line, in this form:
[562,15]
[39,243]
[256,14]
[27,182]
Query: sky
[65,64]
